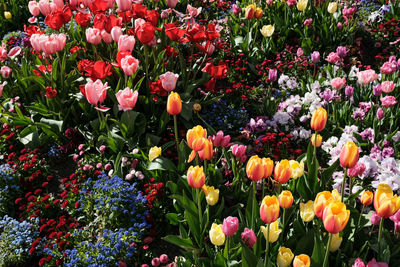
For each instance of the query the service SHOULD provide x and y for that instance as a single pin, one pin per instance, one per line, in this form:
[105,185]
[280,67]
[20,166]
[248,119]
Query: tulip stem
[343,183]
[267,247]
[254,205]
[227,248]
[263,187]
[283,224]
[380,237]
[315,146]
[327,251]
[176,133]
[359,219]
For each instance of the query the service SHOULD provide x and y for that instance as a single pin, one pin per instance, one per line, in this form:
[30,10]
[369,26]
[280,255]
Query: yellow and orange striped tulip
[269,210]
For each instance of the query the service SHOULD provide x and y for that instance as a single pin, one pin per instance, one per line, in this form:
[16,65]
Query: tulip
[116,32]
[375,218]
[2,87]
[126,99]
[249,237]
[212,195]
[219,140]
[285,199]
[272,75]
[207,152]
[107,38]
[338,83]
[274,232]
[319,140]
[34,8]
[5,72]
[386,204]
[217,237]
[285,257]
[301,260]
[366,198]
[96,92]
[174,104]
[307,211]
[126,43]
[296,168]
[318,120]
[282,171]
[129,65]
[168,80]
[250,11]
[321,201]
[349,155]
[172,3]
[196,138]
[367,76]
[380,114]
[396,217]
[255,168]
[302,5]
[268,166]
[335,217]
[267,30]
[196,177]
[93,36]
[258,14]
[236,9]
[335,242]
[124,5]
[374,263]
[239,151]
[332,7]
[154,153]
[7,15]
[230,226]
[269,210]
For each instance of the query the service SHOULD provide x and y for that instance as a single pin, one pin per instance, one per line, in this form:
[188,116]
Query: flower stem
[343,183]
[283,224]
[327,251]
[267,247]
[254,205]
[263,187]
[380,237]
[227,248]
[359,219]
[315,146]
[176,133]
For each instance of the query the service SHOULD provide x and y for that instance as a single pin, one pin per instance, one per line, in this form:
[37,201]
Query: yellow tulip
[386,204]
[217,237]
[296,168]
[7,15]
[274,231]
[302,5]
[307,211]
[154,152]
[267,30]
[212,195]
[335,242]
[285,257]
[332,7]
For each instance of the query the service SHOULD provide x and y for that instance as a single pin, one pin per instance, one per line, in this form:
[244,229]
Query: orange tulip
[196,138]
[366,198]
[268,165]
[174,104]
[269,210]
[323,199]
[335,217]
[196,177]
[319,140]
[255,168]
[282,171]
[386,204]
[258,14]
[302,260]
[285,199]
[207,152]
[349,155]
[318,120]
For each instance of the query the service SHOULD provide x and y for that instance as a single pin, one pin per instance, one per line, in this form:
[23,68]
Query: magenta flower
[230,226]
[239,151]
[388,101]
[249,237]
[375,218]
[219,140]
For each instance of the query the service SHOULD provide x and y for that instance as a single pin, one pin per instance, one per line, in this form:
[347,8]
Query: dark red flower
[152,17]
[145,32]
[83,19]
[139,10]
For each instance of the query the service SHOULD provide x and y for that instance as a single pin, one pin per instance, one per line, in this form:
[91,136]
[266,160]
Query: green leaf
[172,218]
[318,252]
[248,257]
[161,163]
[327,174]
[184,243]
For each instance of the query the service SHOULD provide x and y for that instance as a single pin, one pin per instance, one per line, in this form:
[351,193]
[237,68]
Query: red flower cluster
[153,191]
[278,145]
[95,70]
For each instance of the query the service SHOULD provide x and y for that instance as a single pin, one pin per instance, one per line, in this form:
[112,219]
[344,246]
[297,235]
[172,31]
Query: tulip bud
[267,30]
[7,15]
[302,5]
[285,199]
[318,120]
[307,211]
[269,210]
[196,177]
[301,260]
[319,140]
[217,237]
[268,165]
[335,217]
[335,242]
[380,113]
[255,168]
[174,104]
[282,171]
[249,237]
[230,225]
[274,232]
[235,9]
[375,218]
[315,56]
[154,153]
[296,168]
[212,195]
[349,155]
[366,198]
[285,257]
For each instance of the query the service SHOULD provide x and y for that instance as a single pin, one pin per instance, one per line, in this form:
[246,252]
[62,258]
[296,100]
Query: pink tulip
[59,3]
[339,25]
[219,140]
[124,5]
[193,12]
[239,151]
[387,86]
[300,52]
[230,226]
[96,93]
[367,76]
[396,217]
[172,3]
[249,237]
[2,88]
[102,149]
[126,43]
[34,8]
[315,56]
[308,22]
[357,170]
[388,101]
[14,52]
[126,99]
[116,32]
[358,263]
[5,72]
[129,65]
[338,83]
[236,9]
[107,38]
[46,7]
[373,263]
[74,3]
[333,58]
[164,258]
[397,227]
[93,36]
[375,218]
[54,43]
[3,53]
[168,80]
[388,68]
[380,113]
